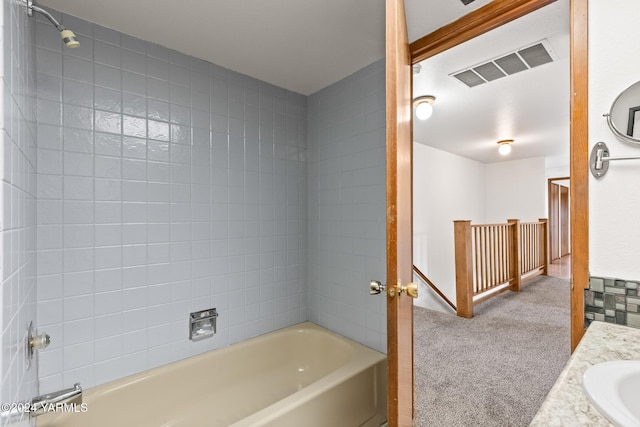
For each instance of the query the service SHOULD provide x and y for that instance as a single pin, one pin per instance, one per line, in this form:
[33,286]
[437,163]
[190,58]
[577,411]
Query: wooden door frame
[399,138]
[553,216]
[549,183]
[500,12]
[564,218]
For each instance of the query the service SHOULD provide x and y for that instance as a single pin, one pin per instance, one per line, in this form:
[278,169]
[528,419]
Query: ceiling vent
[522,59]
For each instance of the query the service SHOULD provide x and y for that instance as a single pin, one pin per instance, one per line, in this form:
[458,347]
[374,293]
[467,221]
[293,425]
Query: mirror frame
[620,135]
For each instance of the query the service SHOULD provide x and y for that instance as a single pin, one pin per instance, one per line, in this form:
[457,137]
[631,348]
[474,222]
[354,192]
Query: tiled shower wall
[166,184]
[17,202]
[347,206]
[612,300]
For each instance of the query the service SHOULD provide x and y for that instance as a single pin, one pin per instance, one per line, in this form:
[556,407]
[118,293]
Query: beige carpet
[496,368]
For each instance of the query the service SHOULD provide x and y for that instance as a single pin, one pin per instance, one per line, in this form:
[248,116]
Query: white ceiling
[306,45]
[531,107]
[426,16]
[301,45]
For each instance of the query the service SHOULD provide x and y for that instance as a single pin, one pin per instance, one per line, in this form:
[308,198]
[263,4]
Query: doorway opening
[459,174]
[460,171]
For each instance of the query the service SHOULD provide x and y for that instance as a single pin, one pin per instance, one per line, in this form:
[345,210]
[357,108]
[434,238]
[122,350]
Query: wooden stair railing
[434,287]
[493,258]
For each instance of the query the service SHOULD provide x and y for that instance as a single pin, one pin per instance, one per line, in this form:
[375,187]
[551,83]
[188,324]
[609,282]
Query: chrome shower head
[68,37]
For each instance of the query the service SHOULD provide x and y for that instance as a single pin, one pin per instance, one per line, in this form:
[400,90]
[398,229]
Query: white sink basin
[614,388]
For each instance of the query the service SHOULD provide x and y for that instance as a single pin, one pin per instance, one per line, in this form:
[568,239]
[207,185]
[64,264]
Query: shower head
[68,37]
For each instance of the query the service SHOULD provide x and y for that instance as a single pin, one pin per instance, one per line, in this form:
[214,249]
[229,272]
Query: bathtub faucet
[14,413]
[44,403]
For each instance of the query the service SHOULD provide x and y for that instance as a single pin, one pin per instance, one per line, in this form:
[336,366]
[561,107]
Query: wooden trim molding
[473,24]
[579,189]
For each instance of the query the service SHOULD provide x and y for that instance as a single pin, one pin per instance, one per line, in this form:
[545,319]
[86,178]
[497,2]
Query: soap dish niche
[202,324]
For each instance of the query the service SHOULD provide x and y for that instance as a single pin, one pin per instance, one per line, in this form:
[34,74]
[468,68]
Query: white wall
[446,187]
[516,189]
[557,166]
[614,200]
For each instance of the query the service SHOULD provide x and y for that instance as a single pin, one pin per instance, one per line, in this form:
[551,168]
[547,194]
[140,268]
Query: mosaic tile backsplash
[612,300]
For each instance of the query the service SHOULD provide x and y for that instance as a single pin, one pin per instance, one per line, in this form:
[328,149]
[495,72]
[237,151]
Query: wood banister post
[516,255]
[464,268]
[544,245]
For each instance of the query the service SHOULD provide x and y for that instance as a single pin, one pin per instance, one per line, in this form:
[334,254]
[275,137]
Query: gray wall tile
[347,211]
[142,218]
[18,233]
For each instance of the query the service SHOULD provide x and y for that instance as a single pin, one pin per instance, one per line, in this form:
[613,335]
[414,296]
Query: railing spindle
[491,266]
[498,254]
[486,261]
[494,254]
[543,245]
[478,260]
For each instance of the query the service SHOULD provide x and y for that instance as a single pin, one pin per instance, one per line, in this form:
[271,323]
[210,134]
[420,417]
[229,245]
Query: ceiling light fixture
[424,106]
[504,146]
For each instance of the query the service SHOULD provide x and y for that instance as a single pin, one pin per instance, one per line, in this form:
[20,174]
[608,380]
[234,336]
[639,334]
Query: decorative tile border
[612,300]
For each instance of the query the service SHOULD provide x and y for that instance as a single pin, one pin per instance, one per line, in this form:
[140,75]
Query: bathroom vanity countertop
[566,404]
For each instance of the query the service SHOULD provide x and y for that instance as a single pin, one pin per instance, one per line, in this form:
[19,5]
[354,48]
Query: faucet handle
[40,341]
[34,342]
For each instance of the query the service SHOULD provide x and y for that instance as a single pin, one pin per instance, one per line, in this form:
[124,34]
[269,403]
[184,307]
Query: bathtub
[302,375]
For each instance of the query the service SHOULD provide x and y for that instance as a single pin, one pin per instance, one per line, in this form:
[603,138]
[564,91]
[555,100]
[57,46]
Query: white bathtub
[303,375]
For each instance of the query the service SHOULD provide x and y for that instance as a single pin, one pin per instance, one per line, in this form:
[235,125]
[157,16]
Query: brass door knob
[376,287]
[410,288]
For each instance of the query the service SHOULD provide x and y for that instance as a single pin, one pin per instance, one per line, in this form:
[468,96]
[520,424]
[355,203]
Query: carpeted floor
[496,368]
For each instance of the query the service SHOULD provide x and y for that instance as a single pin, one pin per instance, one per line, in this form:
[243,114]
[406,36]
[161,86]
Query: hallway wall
[516,189]
[446,187]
